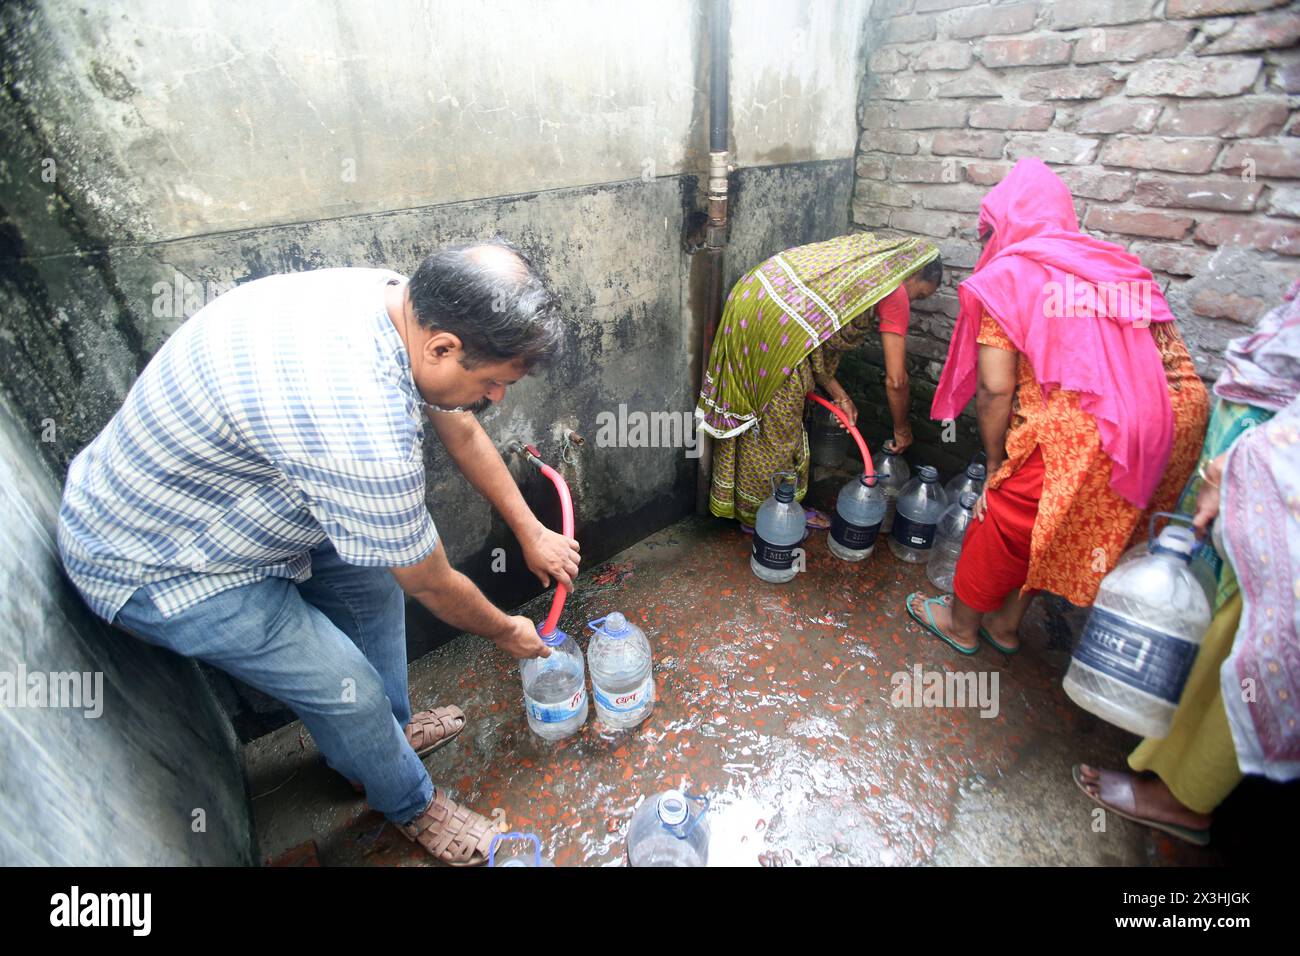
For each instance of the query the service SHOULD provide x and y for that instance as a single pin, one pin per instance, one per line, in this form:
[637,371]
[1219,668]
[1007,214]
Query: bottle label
[558,713]
[626,701]
[855,537]
[913,534]
[1145,659]
[778,558]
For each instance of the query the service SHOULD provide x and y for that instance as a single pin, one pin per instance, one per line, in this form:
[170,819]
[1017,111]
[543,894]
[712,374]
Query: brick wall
[1176,124]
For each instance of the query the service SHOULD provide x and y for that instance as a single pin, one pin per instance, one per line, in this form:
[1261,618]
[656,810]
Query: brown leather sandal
[429,730]
[452,834]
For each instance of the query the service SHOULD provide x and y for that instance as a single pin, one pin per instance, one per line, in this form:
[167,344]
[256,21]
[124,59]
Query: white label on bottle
[559,713]
[628,700]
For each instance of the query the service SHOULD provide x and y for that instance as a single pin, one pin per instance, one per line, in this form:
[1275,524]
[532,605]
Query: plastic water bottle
[859,511]
[920,506]
[667,831]
[972,479]
[555,688]
[942,565]
[622,678]
[828,443]
[891,468]
[1135,653]
[520,854]
[778,531]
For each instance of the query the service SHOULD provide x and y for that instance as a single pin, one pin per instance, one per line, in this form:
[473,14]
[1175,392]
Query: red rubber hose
[566,523]
[868,471]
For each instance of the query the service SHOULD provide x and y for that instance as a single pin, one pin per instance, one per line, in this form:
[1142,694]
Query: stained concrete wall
[158,153]
[140,767]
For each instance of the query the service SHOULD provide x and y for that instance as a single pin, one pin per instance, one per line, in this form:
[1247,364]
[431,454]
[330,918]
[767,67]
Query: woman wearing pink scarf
[1089,407]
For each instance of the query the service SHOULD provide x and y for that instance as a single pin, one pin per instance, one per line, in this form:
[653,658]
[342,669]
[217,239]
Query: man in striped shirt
[258,502]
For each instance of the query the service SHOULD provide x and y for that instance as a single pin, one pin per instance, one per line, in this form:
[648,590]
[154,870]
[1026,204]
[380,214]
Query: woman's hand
[842,401]
[981,505]
[1207,500]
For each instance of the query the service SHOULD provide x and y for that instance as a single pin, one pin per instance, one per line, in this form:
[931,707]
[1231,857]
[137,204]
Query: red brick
[959,254]
[1097,13]
[1097,184]
[968,86]
[1182,260]
[1040,50]
[931,115]
[1137,222]
[887,59]
[901,87]
[958,198]
[1214,8]
[925,171]
[1075,83]
[871,167]
[1268,31]
[1206,192]
[1221,304]
[943,56]
[882,194]
[1286,71]
[872,217]
[987,21]
[967,143]
[938,6]
[890,8]
[1280,158]
[926,222]
[1053,148]
[1247,116]
[1270,235]
[888,141]
[986,174]
[1012,116]
[876,116]
[1154,152]
[1217,77]
[1122,117]
[1127,44]
[908,29]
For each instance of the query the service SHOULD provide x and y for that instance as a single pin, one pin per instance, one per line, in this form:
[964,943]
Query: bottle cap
[976,471]
[968,499]
[1176,540]
[927,473]
[785,492]
[672,808]
[612,624]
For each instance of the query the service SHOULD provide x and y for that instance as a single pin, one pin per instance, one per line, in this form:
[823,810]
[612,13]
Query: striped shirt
[281,414]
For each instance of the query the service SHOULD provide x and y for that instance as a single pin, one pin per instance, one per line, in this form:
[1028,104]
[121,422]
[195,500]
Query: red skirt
[995,552]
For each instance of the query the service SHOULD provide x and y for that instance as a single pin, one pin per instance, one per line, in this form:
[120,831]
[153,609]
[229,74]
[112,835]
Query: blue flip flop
[928,624]
[988,638]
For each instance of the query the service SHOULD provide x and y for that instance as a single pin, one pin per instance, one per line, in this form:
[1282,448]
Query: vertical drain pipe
[716,237]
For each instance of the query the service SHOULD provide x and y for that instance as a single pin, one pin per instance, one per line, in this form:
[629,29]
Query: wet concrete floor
[775,700]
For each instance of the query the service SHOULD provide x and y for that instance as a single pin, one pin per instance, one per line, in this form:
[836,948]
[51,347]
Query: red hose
[868,470]
[566,523]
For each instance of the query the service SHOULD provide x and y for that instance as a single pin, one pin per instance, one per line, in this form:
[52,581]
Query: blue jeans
[332,648]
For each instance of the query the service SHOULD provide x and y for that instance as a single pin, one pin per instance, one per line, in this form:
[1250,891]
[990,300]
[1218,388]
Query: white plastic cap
[1177,539]
[615,623]
[672,807]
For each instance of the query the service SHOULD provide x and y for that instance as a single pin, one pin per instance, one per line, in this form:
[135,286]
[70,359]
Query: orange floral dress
[1083,525]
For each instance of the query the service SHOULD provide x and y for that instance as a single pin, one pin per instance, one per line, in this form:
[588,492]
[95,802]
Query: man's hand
[550,554]
[520,639]
[1207,499]
[901,441]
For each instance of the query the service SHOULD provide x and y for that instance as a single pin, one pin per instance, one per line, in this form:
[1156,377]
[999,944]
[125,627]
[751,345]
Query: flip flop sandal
[928,624]
[1116,795]
[746,528]
[988,638]
[812,514]
[428,731]
[452,834]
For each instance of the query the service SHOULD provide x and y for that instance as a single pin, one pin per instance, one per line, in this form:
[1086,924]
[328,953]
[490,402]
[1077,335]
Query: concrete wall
[1173,122]
[159,152]
[115,780]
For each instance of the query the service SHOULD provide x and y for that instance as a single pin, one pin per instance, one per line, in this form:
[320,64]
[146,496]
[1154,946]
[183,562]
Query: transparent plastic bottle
[778,531]
[942,565]
[891,468]
[859,511]
[667,831]
[622,672]
[920,506]
[972,479]
[555,688]
[1146,625]
[828,443]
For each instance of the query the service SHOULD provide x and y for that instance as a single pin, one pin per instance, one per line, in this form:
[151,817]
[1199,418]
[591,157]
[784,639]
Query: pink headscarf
[1079,308]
